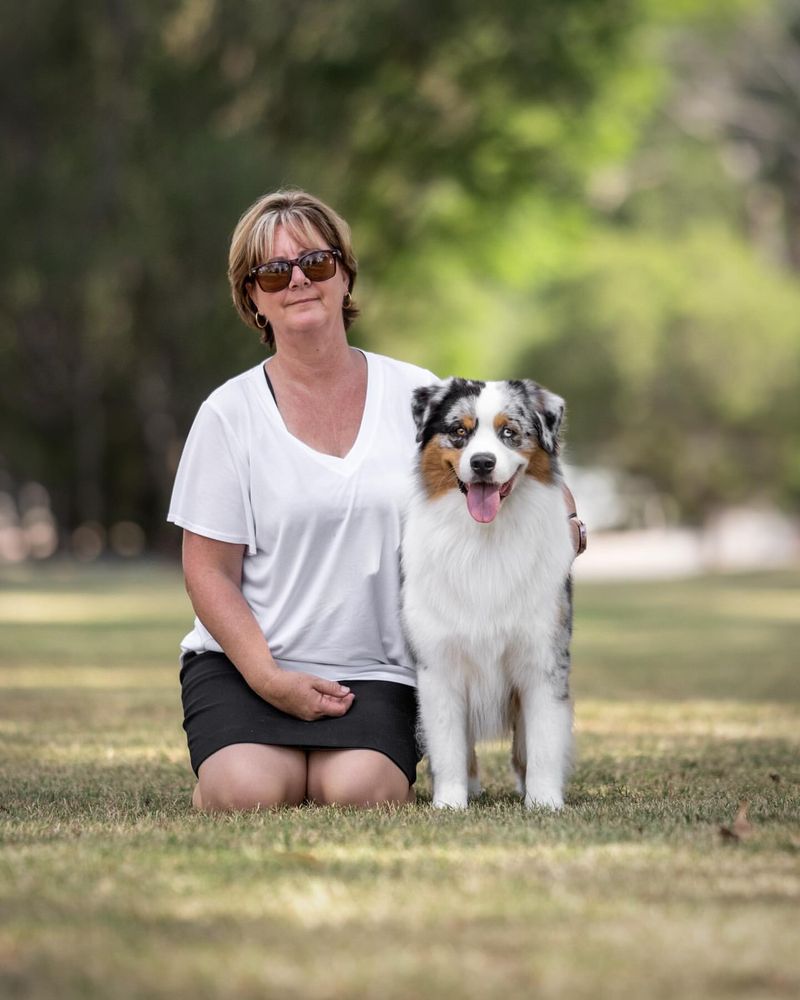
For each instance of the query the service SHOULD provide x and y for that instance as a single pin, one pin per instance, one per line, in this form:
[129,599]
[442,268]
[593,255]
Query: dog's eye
[508,435]
[458,435]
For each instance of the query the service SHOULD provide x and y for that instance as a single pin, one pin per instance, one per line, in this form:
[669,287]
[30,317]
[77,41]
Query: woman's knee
[251,776]
[356,778]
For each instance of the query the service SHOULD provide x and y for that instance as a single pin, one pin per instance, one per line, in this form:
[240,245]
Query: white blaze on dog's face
[481,437]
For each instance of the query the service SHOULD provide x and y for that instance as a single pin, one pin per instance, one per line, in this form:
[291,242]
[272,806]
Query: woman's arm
[213,574]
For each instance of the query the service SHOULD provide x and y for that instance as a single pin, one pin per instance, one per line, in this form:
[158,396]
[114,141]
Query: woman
[296,682]
[288,492]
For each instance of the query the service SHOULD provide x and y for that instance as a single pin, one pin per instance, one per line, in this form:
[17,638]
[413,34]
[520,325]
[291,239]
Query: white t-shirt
[321,571]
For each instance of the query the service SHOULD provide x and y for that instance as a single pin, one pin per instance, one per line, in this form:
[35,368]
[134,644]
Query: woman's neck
[307,359]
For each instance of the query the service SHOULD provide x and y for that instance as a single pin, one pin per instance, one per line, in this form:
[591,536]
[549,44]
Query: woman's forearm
[220,605]
[213,574]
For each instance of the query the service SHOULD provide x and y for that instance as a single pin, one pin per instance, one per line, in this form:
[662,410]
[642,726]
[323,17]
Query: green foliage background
[600,194]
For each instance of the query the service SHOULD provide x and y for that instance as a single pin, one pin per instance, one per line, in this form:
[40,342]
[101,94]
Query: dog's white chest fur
[488,583]
[486,595]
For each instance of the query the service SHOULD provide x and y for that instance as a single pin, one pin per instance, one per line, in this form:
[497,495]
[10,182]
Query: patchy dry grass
[688,701]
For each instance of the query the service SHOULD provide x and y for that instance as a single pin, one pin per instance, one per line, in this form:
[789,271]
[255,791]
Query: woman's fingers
[334,698]
[308,697]
[330,687]
[330,705]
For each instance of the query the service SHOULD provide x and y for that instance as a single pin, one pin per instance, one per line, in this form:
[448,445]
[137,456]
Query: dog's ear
[548,412]
[423,400]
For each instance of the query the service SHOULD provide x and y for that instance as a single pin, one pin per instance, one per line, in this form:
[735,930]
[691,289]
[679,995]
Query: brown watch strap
[582,537]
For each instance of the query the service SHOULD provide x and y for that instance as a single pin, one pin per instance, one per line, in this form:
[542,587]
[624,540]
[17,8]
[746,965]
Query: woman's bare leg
[251,776]
[356,778]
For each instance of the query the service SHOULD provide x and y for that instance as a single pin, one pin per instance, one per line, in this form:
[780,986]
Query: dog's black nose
[482,463]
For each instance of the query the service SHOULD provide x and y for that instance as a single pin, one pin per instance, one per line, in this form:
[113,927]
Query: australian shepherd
[487,596]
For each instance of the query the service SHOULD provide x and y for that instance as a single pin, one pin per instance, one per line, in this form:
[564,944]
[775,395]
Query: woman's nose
[297,276]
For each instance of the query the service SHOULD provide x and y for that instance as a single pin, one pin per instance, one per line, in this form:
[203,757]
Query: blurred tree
[744,98]
[679,360]
[562,189]
[675,330]
[134,135]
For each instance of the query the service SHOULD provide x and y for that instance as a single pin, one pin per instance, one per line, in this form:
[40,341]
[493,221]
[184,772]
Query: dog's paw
[450,798]
[550,799]
[474,788]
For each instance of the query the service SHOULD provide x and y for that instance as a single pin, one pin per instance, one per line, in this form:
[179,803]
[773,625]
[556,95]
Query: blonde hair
[304,217]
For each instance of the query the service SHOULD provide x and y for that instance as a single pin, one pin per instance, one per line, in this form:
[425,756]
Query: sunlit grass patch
[732,638]
[89,677]
[727,719]
[55,608]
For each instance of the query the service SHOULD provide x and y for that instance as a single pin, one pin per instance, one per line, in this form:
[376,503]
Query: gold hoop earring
[347,301]
[261,321]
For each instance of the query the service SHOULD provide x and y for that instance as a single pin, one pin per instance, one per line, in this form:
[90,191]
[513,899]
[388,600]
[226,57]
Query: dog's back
[486,596]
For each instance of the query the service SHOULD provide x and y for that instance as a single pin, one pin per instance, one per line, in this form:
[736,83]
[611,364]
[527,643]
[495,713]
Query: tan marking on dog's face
[438,468]
[539,466]
[500,421]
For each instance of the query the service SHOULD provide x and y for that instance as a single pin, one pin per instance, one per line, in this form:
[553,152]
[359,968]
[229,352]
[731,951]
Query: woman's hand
[305,696]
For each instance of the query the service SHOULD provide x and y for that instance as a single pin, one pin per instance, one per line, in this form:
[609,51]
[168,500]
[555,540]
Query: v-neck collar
[366,429]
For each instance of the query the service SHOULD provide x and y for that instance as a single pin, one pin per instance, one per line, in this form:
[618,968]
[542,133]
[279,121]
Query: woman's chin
[308,326]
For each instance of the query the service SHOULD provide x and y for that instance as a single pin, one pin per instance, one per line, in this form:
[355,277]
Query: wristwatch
[581,532]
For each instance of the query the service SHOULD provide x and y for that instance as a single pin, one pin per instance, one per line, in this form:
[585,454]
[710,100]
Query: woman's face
[304,305]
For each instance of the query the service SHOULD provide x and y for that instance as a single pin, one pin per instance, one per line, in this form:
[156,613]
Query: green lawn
[687,702]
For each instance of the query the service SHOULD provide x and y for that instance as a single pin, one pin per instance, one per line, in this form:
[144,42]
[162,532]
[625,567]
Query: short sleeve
[211,495]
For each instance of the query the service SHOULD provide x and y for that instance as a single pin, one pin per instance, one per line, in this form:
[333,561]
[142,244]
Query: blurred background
[603,195]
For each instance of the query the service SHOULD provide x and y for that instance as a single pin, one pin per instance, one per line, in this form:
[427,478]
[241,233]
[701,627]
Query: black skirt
[220,709]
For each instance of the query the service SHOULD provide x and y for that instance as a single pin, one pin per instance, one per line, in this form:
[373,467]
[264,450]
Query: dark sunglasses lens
[273,277]
[318,266]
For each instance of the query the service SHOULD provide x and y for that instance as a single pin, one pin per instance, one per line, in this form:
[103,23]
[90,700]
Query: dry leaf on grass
[741,828]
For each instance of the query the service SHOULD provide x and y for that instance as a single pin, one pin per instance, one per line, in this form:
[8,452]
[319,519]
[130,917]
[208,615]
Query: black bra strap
[269,384]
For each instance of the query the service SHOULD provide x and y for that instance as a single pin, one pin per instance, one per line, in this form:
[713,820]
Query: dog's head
[481,437]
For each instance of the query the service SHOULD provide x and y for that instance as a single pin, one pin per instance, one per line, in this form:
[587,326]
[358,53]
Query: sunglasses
[275,275]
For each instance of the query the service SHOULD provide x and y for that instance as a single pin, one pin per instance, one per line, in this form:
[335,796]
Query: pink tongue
[483,501]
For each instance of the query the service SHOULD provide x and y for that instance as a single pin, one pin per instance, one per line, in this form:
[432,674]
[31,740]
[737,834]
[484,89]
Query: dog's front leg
[548,742]
[443,709]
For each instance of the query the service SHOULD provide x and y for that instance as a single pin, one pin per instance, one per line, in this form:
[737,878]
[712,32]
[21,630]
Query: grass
[688,701]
